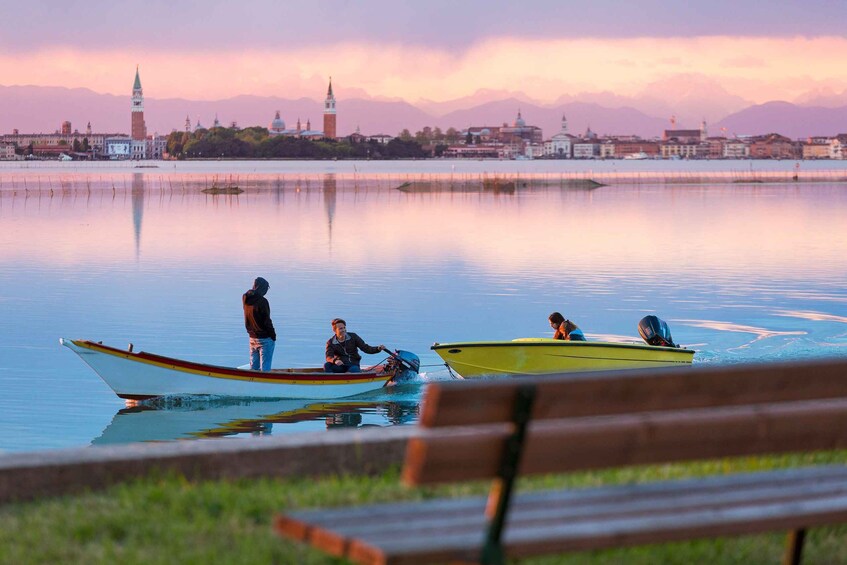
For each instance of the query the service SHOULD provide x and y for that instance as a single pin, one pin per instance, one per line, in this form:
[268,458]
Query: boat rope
[456,376]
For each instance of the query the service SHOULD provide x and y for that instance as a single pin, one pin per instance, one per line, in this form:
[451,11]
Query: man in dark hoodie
[260,328]
[342,349]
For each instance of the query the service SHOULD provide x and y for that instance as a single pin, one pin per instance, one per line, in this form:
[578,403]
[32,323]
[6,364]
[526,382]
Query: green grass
[166,519]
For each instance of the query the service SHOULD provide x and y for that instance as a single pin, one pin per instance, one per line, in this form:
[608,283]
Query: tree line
[256,143]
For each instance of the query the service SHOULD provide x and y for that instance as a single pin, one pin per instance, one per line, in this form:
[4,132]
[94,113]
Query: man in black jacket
[260,328]
[342,350]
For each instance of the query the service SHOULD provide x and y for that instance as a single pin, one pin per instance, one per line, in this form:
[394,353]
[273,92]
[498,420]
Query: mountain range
[42,109]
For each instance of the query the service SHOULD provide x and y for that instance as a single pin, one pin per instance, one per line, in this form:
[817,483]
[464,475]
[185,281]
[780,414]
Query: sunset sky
[436,50]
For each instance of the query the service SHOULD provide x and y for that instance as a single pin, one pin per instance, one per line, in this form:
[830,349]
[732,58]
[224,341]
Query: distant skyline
[723,56]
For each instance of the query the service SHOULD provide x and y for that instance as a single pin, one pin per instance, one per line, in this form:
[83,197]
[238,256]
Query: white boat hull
[140,375]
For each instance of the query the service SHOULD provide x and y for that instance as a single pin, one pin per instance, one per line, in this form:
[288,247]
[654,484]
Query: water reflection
[193,418]
[137,209]
[741,272]
[330,188]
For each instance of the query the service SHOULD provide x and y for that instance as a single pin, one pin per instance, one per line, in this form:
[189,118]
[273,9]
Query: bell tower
[139,129]
[329,113]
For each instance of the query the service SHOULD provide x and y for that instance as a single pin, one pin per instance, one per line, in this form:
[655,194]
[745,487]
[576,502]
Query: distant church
[138,145]
[277,126]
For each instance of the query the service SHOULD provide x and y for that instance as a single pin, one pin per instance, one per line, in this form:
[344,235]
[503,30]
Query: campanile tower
[139,129]
[329,113]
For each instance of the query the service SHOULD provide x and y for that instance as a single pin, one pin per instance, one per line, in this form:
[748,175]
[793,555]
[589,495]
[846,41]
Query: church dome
[277,124]
[519,123]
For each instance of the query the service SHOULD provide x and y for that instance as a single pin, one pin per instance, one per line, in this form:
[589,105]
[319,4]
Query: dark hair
[556,318]
[336,321]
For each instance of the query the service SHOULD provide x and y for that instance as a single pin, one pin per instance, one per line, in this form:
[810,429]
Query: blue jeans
[261,353]
[333,368]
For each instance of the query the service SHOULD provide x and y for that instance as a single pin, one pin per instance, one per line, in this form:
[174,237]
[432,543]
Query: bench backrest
[597,420]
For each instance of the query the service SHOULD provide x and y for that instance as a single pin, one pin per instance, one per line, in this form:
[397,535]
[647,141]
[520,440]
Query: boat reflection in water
[176,418]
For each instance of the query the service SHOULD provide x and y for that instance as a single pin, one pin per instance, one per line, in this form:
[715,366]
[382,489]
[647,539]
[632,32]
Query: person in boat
[565,329]
[342,349]
[260,327]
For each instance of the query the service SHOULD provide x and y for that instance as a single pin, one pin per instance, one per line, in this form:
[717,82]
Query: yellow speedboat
[543,355]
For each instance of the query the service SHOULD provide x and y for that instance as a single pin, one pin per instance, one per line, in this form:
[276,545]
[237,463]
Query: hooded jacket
[257,311]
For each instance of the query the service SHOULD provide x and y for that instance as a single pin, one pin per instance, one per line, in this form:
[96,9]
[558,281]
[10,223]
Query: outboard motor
[655,332]
[408,364]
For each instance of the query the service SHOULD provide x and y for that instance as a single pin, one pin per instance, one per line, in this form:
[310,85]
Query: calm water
[742,272]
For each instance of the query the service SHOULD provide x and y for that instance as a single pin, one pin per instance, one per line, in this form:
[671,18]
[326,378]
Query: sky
[438,50]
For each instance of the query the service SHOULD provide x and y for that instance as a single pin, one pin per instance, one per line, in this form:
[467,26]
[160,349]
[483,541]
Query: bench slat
[619,392]
[452,526]
[474,452]
[551,506]
[607,532]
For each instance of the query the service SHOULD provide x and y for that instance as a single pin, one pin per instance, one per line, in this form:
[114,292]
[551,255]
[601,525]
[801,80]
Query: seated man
[342,355]
[565,329]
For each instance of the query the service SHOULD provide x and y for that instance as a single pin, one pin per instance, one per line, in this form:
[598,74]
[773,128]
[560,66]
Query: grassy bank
[171,520]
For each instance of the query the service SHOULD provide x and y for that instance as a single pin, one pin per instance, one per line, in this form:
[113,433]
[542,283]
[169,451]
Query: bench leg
[501,491]
[794,547]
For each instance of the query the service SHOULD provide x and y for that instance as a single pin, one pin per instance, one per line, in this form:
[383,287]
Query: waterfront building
[736,149]
[7,151]
[642,148]
[46,141]
[677,150]
[534,150]
[838,146]
[816,150]
[476,152]
[329,113]
[157,146]
[118,147]
[561,144]
[381,138]
[712,148]
[772,146]
[586,148]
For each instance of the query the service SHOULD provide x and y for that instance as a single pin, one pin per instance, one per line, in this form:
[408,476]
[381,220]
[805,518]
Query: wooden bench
[499,429]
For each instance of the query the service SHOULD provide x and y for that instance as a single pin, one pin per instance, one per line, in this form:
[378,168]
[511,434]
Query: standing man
[260,328]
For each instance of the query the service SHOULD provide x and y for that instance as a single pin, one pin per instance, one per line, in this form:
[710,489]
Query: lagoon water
[743,272]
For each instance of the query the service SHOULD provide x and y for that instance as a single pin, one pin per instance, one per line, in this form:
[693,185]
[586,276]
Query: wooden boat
[532,356]
[139,376]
